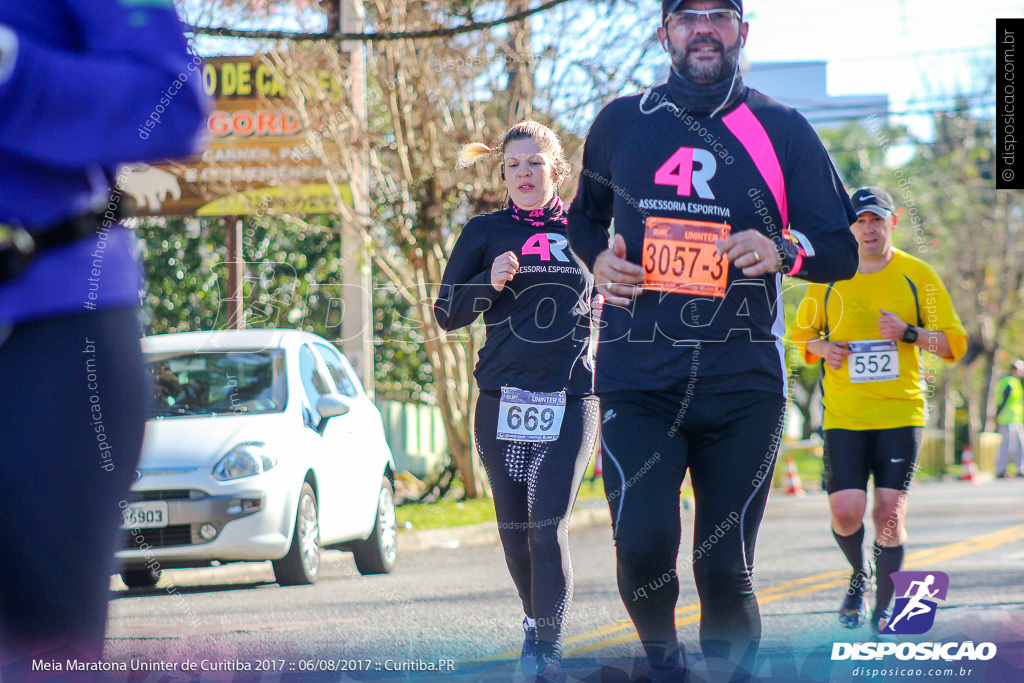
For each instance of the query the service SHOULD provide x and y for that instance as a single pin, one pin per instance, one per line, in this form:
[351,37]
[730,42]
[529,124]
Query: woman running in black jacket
[536,417]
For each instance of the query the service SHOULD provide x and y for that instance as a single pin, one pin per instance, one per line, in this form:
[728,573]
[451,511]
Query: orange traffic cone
[793,485]
[969,468]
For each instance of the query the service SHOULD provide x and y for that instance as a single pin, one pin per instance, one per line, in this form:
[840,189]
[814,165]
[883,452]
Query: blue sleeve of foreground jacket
[73,107]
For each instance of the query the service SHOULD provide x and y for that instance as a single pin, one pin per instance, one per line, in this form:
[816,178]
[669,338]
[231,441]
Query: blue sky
[916,51]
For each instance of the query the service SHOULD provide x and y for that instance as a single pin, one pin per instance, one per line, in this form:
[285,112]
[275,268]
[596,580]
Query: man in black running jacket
[716,191]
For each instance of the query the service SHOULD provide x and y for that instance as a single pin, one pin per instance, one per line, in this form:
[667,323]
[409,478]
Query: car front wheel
[140,578]
[376,555]
[302,563]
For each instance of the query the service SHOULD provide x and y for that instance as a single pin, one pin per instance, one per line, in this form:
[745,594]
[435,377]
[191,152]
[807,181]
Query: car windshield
[224,383]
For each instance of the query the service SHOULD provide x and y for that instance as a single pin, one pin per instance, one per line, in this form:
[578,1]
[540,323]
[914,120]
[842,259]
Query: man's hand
[616,278]
[149,187]
[752,252]
[835,352]
[890,326]
[503,269]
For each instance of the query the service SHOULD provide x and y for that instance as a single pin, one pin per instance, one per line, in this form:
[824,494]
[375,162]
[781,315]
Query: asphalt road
[455,608]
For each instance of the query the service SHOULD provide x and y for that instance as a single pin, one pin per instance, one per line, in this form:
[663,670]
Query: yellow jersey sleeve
[937,313]
[810,321]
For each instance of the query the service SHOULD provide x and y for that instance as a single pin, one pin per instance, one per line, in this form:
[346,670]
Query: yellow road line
[971,545]
[625,637]
[622,631]
[778,592]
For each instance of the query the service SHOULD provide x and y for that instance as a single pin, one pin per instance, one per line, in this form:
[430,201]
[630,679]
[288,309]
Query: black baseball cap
[873,199]
[670,6]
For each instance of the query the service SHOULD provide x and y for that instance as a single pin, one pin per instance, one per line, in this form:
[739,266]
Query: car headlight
[244,460]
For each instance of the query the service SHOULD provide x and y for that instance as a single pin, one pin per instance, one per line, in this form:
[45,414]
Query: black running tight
[535,487]
[728,442]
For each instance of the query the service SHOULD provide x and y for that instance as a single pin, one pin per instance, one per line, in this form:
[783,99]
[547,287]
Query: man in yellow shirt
[869,331]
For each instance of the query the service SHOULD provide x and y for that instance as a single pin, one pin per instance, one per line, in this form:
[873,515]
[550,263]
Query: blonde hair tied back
[471,153]
[545,138]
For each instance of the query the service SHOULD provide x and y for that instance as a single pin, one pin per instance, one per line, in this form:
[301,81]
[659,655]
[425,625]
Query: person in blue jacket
[85,85]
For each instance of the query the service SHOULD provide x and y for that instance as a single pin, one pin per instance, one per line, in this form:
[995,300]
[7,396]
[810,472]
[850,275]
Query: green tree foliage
[288,278]
[286,275]
[974,236]
[951,216]
[182,291]
[401,366]
[858,150]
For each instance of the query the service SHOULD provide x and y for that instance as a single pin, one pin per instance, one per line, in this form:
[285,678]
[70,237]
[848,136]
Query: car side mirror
[332,405]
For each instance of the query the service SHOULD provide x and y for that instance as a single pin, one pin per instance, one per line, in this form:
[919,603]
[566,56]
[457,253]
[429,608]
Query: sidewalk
[587,513]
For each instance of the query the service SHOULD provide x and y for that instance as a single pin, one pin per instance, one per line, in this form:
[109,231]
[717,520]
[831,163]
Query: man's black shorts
[851,456]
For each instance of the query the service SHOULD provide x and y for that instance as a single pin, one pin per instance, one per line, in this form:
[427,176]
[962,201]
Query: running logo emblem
[688,169]
[914,612]
[546,245]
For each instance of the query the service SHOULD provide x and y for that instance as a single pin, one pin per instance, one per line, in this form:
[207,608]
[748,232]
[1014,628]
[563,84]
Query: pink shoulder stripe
[751,134]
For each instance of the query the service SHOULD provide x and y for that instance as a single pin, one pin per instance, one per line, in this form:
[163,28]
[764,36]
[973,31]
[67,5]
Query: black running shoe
[528,659]
[852,610]
[549,660]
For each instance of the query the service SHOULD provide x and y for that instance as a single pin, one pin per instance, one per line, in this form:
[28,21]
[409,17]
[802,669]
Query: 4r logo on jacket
[546,245]
[679,172]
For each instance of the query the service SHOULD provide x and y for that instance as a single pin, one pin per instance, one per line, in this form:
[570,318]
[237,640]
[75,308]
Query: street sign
[257,156]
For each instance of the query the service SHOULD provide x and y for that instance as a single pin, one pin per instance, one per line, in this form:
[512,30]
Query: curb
[485,532]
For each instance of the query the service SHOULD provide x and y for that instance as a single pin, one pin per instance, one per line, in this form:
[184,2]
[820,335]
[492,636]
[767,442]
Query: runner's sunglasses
[689,18]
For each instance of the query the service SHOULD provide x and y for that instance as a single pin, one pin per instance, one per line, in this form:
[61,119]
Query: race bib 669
[530,415]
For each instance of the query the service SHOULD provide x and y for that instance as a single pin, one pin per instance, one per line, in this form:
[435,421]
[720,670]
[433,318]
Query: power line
[339,36]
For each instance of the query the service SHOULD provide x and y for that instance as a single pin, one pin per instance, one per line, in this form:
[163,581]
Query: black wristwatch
[909,334]
[788,252]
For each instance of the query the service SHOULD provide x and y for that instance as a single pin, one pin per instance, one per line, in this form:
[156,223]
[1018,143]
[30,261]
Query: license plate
[151,514]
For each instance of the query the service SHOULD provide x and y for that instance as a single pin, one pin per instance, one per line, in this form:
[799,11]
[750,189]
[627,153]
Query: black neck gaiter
[704,98]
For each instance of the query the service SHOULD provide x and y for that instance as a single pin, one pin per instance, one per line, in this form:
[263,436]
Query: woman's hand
[503,270]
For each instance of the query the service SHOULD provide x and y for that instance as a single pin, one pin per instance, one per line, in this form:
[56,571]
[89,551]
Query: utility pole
[236,268]
[357,292]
